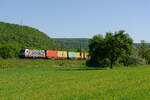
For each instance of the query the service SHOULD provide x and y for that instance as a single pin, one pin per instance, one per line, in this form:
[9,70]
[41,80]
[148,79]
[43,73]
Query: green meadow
[71,80]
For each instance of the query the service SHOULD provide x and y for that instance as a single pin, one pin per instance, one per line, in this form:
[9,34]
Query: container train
[51,54]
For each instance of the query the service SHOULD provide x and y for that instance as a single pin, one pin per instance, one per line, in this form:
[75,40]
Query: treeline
[117,48]
[73,43]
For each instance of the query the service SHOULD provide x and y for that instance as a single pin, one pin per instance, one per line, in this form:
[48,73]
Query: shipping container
[72,54]
[78,55]
[86,56]
[51,54]
[62,54]
[34,53]
[82,55]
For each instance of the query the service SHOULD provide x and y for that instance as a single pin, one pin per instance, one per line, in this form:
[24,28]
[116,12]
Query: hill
[25,36]
[29,37]
[73,43]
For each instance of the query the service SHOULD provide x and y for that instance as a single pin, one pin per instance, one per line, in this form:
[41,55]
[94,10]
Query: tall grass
[14,63]
[44,80]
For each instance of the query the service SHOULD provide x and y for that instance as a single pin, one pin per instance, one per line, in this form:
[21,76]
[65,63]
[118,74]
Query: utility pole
[80,49]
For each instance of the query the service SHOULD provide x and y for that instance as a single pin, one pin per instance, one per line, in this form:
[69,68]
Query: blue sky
[80,18]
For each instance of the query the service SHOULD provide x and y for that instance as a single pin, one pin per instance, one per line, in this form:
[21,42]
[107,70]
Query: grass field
[71,80]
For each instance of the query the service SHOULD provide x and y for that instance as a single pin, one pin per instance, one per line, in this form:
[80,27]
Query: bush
[97,63]
[9,51]
[132,60]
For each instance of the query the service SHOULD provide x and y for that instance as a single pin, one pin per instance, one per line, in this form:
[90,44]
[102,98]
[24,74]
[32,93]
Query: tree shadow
[80,69]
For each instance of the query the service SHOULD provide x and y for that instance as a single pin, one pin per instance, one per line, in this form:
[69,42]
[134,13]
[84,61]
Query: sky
[80,18]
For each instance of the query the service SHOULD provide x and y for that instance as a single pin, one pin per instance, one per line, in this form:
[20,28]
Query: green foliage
[82,50]
[97,51]
[29,63]
[142,48]
[144,51]
[111,48]
[126,46]
[9,51]
[97,63]
[147,55]
[14,37]
[118,44]
[72,50]
[72,43]
[25,36]
[135,59]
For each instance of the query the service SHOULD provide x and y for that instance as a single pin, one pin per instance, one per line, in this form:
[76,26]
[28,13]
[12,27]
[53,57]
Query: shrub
[133,60]
[9,51]
[97,63]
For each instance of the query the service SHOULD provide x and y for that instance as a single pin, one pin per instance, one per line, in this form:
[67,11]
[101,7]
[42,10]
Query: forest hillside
[25,36]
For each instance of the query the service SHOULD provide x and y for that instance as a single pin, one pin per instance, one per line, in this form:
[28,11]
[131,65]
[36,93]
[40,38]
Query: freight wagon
[50,54]
[86,55]
[62,55]
[71,55]
[78,55]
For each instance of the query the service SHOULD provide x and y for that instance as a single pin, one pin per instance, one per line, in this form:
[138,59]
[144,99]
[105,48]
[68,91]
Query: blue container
[72,54]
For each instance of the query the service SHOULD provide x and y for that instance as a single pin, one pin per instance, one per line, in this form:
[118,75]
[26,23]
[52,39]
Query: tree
[9,51]
[147,55]
[144,51]
[118,44]
[97,51]
[143,48]
[126,43]
[113,46]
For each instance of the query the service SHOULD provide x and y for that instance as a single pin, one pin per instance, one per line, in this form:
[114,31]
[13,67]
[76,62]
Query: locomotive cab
[22,53]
